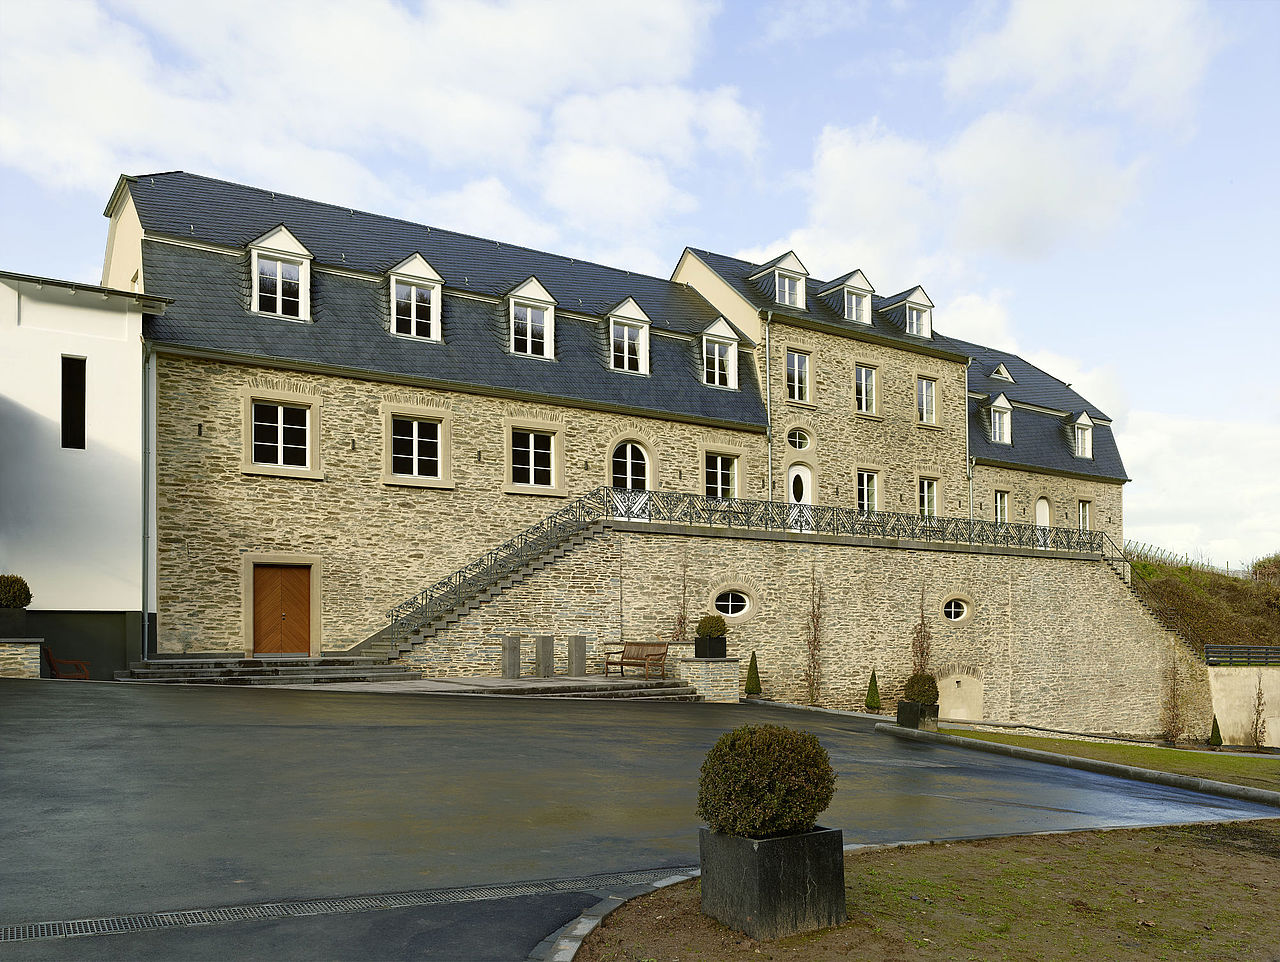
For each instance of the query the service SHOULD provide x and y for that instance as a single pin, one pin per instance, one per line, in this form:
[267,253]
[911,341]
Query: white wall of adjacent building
[71,519]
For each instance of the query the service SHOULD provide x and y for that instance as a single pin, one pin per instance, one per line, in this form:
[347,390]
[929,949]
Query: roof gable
[416,266]
[629,310]
[531,289]
[786,262]
[1002,373]
[280,240]
[722,329]
[855,280]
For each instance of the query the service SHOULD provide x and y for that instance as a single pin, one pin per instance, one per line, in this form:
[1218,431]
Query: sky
[1089,184]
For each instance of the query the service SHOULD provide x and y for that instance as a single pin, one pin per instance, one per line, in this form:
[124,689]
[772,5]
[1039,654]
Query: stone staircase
[402,637]
[264,671]
[1123,569]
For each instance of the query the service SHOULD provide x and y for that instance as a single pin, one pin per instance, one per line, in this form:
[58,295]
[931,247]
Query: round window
[955,610]
[732,603]
[799,439]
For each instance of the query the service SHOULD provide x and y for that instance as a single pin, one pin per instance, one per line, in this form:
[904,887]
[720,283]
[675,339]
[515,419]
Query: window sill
[618,370]
[532,357]
[720,387]
[279,471]
[928,426]
[416,337]
[868,415]
[535,490]
[810,405]
[281,317]
[408,481]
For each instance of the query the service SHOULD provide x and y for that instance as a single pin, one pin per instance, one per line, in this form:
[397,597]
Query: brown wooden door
[281,610]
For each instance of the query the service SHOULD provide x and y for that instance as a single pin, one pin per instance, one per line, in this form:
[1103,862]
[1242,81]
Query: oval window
[732,602]
[955,610]
[799,439]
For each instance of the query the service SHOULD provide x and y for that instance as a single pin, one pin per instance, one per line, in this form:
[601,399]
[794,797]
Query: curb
[1208,786]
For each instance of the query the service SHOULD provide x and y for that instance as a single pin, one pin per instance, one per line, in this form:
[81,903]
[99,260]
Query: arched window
[630,466]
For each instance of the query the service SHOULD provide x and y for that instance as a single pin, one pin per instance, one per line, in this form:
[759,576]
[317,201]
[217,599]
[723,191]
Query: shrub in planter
[15,595]
[753,677]
[921,687]
[766,869]
[708,638]
[873,693]
[919,705]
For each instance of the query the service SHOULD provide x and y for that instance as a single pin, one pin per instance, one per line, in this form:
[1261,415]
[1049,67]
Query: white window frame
[919,321]
[868,490]
[857,306]
[534,451]
[1084,514]
[433,318]
[711,372]
[417,438]
[304,284]
[864,396]
[1082,444]
[799,387]
[927,497]
[803,432]
[391,411]
[548,328]
[783,282]
[1000,507]
[640,345]
[1000,426]
[926,400]
[718,490]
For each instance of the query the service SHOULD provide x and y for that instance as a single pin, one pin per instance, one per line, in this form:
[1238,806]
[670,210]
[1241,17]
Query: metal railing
[1258,655]
[1164,614]
[673,507]
[1141,551]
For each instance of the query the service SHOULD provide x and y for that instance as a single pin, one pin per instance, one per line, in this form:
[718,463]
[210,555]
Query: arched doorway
[629,474]
[800,497]
[1042,521]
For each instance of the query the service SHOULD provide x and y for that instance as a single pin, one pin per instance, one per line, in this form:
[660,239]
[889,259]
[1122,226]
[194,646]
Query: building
[353,415]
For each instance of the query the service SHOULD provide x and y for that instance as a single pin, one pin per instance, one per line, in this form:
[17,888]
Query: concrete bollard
[545,656]
[577,655]
[510,656]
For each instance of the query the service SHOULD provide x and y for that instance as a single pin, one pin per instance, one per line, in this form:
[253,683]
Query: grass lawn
[1257,771]
[1202,892]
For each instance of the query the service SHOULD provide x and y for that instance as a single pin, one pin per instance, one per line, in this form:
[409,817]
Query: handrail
[1250,655]
[674,507]
[1162,612]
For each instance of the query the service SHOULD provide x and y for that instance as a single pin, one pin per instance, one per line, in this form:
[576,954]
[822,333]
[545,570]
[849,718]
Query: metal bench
[638,654]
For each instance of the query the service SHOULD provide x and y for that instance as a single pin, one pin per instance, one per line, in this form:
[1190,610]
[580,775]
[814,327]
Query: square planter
[771,887]
[912,714]
[13,622]
[709,647]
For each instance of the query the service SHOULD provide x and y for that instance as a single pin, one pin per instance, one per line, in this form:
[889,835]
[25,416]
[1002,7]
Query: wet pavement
[119,799]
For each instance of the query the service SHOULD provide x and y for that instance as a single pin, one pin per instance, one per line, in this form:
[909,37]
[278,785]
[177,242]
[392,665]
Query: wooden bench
[64,667]
[638,654]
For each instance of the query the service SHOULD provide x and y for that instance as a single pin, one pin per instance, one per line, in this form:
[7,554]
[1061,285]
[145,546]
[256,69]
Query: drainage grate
[31,931]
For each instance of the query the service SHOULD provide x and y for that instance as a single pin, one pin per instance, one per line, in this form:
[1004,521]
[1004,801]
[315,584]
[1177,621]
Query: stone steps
[259,671]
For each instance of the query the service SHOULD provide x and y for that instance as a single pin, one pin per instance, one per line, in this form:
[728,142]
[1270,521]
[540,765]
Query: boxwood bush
[711,626]
[761,781]
[14,592]
[921,687]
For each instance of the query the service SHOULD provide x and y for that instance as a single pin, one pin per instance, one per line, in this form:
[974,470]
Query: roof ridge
[414,223]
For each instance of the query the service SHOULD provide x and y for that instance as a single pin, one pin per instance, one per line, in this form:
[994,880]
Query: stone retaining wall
[19,659]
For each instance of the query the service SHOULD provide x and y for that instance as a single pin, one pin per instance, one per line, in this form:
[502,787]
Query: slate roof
[1043,442]
[1031,385]
[348,331]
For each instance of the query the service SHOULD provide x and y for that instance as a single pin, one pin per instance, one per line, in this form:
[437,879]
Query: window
[798,377]
[530,331]
[630,466]
[864,389]
[788,289]
[1083,441]
[629,347]
[531,458]
[415,448]
[732,603]
[928,498]
[955,610]
[73,402]
[281,434]
[278,286]
[856,307]
[415,310]
[799,439]
[868,499]
[917,321]
[925,412]
[719,362]
[1083,514]
[721,474]
[999,426]
[1002,507]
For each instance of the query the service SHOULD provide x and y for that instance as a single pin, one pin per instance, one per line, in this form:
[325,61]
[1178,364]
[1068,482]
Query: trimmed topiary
[873,693]
[763,781]
[14,592]
[1215,736]
[921,687]
[711,626]
[753,677]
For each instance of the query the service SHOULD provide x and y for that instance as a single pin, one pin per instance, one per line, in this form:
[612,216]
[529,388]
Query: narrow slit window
[73,402]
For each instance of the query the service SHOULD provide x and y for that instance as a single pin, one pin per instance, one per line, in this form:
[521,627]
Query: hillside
[1218,610]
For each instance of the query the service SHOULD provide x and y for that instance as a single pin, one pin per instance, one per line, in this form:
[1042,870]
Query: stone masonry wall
[1055,641]
[1025,487]
[19,660]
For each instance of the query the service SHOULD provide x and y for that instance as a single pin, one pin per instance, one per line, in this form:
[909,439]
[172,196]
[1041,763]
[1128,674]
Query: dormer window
[857,307]
[1002,373]
[1083,440]
[1001,421]
[415,299]
[719,362]
[788,289]
[281,269]
[917,321]
[532,320]
[629,338]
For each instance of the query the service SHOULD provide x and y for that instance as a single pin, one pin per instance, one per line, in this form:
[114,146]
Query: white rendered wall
[70,519]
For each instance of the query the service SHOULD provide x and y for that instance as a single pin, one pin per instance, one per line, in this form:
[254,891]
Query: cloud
[980,318]
[1142,57]
[608,190]
[802,20]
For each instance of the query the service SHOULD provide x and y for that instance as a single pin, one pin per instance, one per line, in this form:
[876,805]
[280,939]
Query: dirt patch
[1204,892]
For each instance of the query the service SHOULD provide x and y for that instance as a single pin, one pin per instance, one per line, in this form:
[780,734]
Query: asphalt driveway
[119,799]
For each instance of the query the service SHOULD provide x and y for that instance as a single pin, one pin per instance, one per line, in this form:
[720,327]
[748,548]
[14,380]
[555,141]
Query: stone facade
[717,679]
[1056,641]
[1064,494]
[19,659]
[380,543]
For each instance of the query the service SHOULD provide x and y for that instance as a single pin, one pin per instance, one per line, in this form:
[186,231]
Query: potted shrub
[768,869]
[14,598]
[918,707]
[708,638]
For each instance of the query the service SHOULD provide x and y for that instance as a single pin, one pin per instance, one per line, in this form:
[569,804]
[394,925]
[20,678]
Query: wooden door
[281,610]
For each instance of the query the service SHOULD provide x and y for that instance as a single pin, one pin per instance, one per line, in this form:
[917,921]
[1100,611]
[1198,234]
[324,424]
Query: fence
[1141,551]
